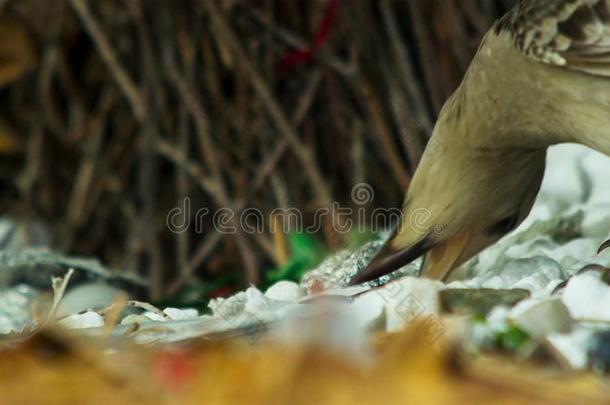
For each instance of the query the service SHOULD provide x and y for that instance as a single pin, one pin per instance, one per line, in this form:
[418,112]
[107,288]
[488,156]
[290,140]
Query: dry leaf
[17,54]
[9,141]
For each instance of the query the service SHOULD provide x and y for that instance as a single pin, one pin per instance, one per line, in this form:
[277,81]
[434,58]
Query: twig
[59,285]
[407,126]
[190,167]
[182,239]
[108,54]
[49,108]
[263,171]
[294,40]
[135,304]
[372,103]
[209,152]
[86,170]
[406,74]
[203,249]
[305,156]
[194,107]
[430,72]
[33,164]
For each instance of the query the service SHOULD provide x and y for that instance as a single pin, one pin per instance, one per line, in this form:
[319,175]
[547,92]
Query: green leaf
[306,252]
[511,339]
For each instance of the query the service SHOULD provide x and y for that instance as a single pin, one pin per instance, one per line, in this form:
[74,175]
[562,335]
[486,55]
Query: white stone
[498,319]
[227,307]
[587,297]
[370,309]
[285,291]
[135,318]
[406,299]
[153,316]
[85,320]
[181,313]
[88,296]
[540,317]
[572,347]
[596,222]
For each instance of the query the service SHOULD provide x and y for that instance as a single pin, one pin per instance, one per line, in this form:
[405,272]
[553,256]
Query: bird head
[464,196]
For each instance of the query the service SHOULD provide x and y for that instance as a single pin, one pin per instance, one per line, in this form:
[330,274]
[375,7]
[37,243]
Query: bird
[540,77]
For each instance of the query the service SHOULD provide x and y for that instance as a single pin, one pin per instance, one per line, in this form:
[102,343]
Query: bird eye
[505,225]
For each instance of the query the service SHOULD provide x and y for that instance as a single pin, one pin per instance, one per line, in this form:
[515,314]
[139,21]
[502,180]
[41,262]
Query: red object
[299,56]
[173,369]
[221,292]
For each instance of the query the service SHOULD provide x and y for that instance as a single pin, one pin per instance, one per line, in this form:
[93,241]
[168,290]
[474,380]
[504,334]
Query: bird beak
[390,259]
[441,257]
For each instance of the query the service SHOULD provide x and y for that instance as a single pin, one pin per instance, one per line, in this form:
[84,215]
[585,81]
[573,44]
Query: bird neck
[536,107]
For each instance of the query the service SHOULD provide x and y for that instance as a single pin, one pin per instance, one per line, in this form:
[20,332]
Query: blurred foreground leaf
[57,369]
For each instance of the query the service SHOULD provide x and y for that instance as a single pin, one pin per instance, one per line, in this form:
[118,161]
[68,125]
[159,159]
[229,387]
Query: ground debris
[69,369]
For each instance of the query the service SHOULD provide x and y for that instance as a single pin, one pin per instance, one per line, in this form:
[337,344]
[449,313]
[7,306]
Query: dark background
[111,112]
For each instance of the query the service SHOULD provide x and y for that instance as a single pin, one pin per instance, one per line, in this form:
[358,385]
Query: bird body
[541,76]
[521,103]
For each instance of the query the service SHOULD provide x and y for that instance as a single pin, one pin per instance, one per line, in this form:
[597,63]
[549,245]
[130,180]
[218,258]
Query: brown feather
[570,33]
